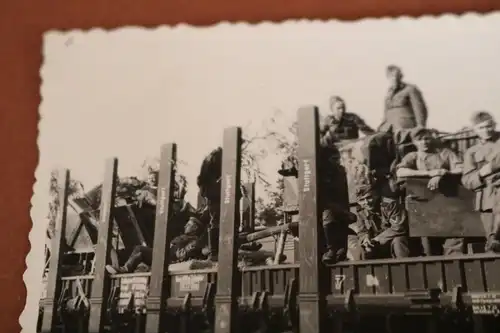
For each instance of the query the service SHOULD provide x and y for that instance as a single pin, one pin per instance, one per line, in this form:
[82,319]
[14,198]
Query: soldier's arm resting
[363,126]
[419,107]
[403,172]
[471,176]
[408,167]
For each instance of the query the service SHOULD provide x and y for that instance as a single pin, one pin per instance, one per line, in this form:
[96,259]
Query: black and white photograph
[302,176]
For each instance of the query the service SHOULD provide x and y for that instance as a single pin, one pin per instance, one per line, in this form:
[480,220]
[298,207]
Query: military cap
[481,116]
[418,132]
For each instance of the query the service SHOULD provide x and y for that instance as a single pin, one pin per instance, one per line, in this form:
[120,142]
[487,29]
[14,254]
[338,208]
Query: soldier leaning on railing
[435,162]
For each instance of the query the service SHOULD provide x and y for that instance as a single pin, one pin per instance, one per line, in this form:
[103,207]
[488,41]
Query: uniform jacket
[346,128]
[475,158]
[386,225]
[442,159]
[404,108]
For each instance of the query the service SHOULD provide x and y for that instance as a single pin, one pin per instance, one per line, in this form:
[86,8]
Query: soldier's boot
[253,246]
[117,270]
[213,244]
[493,241]
[133,261]
[336,245]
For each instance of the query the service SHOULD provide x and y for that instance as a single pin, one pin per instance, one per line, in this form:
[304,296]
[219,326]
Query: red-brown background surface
[22,24]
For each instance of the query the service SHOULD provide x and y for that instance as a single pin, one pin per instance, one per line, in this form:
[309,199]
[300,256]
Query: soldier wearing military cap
[432,161]
[382,222]
[481,174]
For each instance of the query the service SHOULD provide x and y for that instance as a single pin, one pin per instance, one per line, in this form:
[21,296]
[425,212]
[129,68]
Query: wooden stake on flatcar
[311,300]
[249,208]
[227,276]
[158,287]
[101,283]
[49,320]
[200,201]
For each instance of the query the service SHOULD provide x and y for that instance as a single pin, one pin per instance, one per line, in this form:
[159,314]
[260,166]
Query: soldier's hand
[365,241]
[368,242]
[485,170]
[433,183]
[180,254]
[438,172]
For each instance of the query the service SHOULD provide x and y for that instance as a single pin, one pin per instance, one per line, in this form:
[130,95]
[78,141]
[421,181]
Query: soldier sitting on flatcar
[187,246]
[376,229]
[342,125]
[482,174]
[430,160]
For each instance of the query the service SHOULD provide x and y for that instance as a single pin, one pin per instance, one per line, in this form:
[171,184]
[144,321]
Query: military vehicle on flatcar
[462,292]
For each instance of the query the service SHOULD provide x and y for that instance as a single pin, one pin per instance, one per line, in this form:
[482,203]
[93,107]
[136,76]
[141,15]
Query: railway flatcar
[386,295]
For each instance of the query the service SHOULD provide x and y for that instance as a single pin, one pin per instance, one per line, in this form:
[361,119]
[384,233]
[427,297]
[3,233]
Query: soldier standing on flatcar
[482,174]
[429,160]
[333,202]
[405,107]
[342,125]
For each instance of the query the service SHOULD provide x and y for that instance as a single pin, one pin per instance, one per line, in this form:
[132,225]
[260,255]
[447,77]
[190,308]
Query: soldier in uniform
[334,196]
[429,160]
[342,125]
[405,107]
[148,192]
[187,246]
[333,202]
[378,230]
[481,173]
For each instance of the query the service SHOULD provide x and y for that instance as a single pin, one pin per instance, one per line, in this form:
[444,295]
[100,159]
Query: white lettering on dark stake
[307,176]
[227,190]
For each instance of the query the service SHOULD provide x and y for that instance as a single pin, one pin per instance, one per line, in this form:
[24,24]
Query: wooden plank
[101,284]
[200,201]
[446,212]
[311,306]
[158,286]
[290,194]
[227,278]
[54,284]
[249,208]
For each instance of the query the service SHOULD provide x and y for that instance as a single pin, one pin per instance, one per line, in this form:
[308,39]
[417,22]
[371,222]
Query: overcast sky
[124,93]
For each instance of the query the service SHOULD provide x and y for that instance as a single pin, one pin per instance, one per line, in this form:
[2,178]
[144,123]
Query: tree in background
[278,137]
[76,189]
[270,213]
